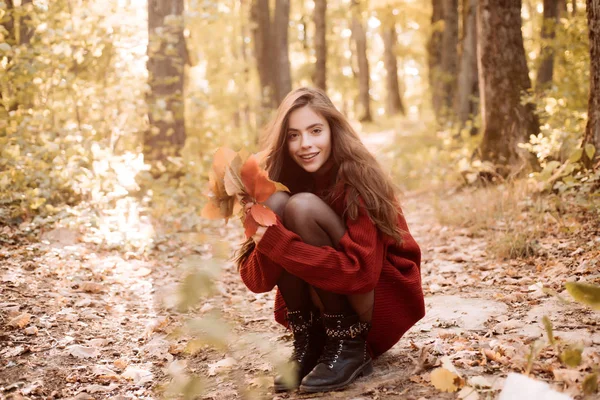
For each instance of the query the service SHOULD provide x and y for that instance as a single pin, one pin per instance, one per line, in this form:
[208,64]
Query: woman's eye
[317,131]
[292,136]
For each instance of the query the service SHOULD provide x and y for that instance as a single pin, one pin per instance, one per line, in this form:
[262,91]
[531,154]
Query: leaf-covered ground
[78,320]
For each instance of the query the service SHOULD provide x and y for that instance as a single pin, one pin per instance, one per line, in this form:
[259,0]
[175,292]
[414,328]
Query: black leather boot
[309,339]
[344,357]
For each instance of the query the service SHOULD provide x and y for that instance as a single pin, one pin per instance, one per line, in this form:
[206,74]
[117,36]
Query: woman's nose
[306,142]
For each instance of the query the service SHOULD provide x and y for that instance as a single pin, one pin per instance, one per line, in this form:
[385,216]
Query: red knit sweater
[366,259]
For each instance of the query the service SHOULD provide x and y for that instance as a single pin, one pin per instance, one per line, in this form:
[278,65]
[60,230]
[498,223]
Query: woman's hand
[259,234]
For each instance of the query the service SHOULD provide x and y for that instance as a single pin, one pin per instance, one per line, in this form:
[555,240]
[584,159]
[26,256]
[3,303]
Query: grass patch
[510,216]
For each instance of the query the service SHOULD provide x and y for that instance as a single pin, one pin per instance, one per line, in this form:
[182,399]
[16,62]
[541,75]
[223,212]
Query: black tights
[317,224]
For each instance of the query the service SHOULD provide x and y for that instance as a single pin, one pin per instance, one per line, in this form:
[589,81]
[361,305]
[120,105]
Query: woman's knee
[277,202]
[300,207]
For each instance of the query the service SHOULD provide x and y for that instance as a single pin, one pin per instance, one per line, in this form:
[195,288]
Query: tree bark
[503,78]
[434,53]
[592,129]
[261,36]
[320,73]
[449,63]
[467,88]
[546,68]
[25,31]
[166,59]
[443,55]
[281,20]
[360,39]
[393,104]
[574,11]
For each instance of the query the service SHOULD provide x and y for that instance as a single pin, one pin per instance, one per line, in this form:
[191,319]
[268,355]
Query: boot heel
[367,369]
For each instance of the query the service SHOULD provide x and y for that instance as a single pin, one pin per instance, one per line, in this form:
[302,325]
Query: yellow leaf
[590,150]
[585,293]
[571,356]
[590,384]
[20,321]
[445,380]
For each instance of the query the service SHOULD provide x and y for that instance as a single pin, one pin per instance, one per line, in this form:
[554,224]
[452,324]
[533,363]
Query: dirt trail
[99,319]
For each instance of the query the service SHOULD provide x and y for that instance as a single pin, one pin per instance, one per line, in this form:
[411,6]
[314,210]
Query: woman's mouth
[308,157]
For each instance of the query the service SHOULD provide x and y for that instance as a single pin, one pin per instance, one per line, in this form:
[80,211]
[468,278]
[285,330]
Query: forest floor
[79,320]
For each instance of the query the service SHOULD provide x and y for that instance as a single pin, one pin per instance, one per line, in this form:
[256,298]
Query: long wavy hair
[359,175]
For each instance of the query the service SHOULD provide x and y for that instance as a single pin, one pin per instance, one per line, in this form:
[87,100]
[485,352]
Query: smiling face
[308,139]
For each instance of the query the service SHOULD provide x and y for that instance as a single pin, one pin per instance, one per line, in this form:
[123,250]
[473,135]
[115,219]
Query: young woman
[346,268]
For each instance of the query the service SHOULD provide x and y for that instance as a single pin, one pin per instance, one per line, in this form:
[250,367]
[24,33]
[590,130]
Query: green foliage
[68,99]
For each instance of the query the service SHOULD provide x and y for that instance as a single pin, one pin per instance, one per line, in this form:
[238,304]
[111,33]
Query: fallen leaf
[79,351]
[568,376]
[120,363]
[32,330]
[480,381]
[15,351]
[138,375]
[91,287]
[445,380]
[220,366]
[20,321]
[100,388]
[468,393]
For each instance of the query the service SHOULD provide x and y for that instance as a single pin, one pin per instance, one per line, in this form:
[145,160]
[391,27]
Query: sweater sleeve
[352,268]
[259,273]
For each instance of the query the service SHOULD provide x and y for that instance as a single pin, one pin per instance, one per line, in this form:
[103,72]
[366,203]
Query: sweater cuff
[274,239]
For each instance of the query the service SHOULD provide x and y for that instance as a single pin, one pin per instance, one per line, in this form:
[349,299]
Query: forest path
[79,320]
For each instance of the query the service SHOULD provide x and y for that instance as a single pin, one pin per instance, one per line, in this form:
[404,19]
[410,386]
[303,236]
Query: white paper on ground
[521,387]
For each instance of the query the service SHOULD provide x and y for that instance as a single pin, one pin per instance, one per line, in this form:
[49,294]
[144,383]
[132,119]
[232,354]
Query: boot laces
[301,342]
[331,352]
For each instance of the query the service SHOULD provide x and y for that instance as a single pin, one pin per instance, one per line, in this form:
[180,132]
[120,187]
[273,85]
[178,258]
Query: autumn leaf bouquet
[239,185]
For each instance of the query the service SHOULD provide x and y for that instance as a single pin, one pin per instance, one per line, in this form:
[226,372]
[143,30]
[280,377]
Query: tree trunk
[393,104]
[282,75]
[25,31]
[320,73]
[592,129]
[467,88]
[503,78]
[166,59]
[443,55]
[434,52]
[261,36]
[561,6]
[545,71]
[449,63]
[360,39]
[574,11]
